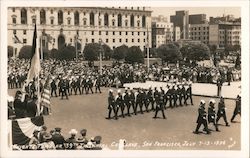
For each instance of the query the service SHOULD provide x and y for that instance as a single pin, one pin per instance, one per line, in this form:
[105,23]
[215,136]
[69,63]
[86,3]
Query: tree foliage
[66,53]
[25,52]
[169,53]
[134,55]
[120,52]
[195,52]
[107,52]
[91,51]
[53,53]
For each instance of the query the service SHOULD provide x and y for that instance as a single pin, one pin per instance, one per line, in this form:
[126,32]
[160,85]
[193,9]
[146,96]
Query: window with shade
[132,24]
[106,19]
[60,17]
[92,19]
[23,16]
[76,18]
[42,17]
[119,20]
[143,21]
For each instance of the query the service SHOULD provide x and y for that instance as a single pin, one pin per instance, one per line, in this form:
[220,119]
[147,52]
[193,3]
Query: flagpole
[41,44]
[76,38]
[38,77]
[147,49]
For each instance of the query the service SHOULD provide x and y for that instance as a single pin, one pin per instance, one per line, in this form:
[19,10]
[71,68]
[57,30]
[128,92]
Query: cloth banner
[22,129]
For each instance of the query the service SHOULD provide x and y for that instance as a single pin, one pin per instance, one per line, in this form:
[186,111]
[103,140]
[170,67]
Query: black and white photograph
[130,77]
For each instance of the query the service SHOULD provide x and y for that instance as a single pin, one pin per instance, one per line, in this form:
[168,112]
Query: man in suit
[111,105]
[119,102]
[58,139]
[53,87]
[31,107]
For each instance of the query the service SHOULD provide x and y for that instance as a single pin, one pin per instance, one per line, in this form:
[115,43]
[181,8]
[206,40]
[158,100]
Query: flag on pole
[16,39]
[45,98]
[35,60]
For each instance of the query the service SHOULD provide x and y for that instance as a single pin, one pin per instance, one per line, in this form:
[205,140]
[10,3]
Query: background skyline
[209,11]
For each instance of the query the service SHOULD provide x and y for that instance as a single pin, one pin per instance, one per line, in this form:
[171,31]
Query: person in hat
[222,111]
[31,107]
[97,84]
[160,106]
[189,94]
[71,140]
[53,88]
[80,143]
[64,89]
[111,105]
[19,105]
[42,133]
[212,114]
[127,101]
[119,103]
[48,144]
[34,139]
[237,109]
[202,118]
[150,98]
[132,98]
[58,139]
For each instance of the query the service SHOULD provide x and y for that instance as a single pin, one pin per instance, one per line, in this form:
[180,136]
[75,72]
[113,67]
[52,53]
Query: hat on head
[202,102]
[73,132]
[58,129]
[118,91]
[47,136]
[83,132]
[35,131]
[80,140]
[111,90]
[212,101]
[126,88]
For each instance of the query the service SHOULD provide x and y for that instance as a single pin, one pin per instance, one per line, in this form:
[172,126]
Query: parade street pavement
[142,132]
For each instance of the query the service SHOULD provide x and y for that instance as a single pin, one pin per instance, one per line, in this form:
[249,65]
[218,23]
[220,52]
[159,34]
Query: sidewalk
[199,89]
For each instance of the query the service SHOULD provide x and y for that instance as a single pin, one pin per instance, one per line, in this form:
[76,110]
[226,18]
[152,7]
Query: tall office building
[181,20]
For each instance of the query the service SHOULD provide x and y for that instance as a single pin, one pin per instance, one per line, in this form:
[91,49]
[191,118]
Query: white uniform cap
[73,132]
[212,101]
[203,102]
[111,90]
[118,91]
[126,88]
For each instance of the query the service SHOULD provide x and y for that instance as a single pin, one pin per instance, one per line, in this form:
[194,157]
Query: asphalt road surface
[141,131]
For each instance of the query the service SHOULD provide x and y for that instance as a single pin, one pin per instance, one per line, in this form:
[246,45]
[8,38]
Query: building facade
[197,19]
[224,34]
[114,26]
[162,33]
[181,20]
[199,32]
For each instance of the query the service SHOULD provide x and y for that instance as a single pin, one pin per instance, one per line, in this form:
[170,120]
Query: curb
[213,96]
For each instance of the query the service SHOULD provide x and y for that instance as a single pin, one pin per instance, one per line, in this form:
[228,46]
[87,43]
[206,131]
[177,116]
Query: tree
[169,53]
[66,53]
[45,53]
[134,55]
[53,53]
[107,52]
[10,51]
[120,52]
[25,52]
[195,52]
[91,52]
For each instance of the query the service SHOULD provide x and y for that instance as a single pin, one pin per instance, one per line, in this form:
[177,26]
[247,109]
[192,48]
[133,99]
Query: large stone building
[181,20]
[199,32]
[114,26]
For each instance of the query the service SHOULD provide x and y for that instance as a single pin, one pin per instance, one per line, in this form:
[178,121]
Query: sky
[209,11]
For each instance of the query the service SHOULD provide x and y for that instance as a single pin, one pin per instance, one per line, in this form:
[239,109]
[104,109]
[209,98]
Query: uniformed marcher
[160,106]
[111,105]
[53,87]
[179,92]
[222,111]
[150,98]
[126,99]
[237,109]
[97,84]
[145,100]
[89,85]
[189,94]
[119,103]
[78,86]
[132,98]
[175,95]
[64,89]
[202,118]
[169,98]
[212,114]
[139,100]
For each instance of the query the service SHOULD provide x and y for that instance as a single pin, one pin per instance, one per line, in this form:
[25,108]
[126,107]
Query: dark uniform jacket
[202,115]
[211,114]
[221,108]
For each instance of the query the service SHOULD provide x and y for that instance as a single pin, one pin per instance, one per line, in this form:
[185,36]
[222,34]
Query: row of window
[77,19]
[114,40]
[100,33]
[199,28]
[199,33]
[199,38]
